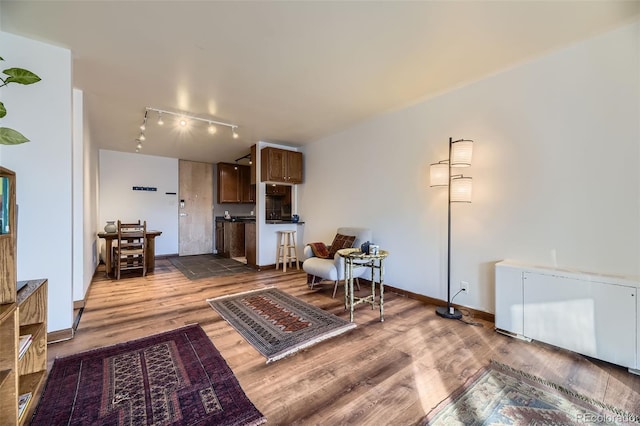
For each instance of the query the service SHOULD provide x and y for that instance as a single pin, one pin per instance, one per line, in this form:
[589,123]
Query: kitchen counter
[252,219]
[286,221]
[236,219]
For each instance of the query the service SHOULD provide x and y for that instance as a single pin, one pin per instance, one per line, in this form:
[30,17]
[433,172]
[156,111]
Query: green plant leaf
[3,110]
[11,137]
[20,76]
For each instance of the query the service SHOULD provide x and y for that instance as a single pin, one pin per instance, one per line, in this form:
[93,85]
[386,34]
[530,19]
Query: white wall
[84,199]
[119,172]
[91,191]
[42,112]
[556,173]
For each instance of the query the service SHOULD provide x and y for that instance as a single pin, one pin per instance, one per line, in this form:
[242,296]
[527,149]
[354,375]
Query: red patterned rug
[276,323]
[173,378]
[501,395]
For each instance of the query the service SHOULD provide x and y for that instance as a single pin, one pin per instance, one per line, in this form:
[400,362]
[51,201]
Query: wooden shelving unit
[21,312]
[9,361]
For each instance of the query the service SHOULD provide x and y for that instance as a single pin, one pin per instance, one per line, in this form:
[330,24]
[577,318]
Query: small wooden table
[353,256]
[151,248]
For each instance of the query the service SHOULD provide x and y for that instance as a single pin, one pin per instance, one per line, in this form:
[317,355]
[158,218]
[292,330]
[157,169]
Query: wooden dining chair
[131,251]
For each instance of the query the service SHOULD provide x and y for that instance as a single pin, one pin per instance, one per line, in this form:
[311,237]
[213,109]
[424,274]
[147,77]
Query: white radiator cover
[592,314]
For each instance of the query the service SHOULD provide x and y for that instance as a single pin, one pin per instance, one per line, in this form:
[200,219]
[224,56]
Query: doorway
[195,229]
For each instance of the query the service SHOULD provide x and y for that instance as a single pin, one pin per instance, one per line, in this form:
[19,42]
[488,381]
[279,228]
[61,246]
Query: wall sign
[145,188]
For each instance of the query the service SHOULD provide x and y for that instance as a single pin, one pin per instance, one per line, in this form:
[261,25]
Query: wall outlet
[464,286]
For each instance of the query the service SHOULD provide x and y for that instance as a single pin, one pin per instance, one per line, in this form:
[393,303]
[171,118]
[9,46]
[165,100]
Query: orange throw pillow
[319,250]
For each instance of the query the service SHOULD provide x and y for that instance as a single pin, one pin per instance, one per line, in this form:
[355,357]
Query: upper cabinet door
[228,183]
[273,164]
[294,167]
[247,191]
[280,165]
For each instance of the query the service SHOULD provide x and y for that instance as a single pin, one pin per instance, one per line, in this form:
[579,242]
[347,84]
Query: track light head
[143,126]
[185,120]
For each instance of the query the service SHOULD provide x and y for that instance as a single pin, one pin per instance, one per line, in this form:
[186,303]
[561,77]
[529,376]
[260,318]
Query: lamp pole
[449,311]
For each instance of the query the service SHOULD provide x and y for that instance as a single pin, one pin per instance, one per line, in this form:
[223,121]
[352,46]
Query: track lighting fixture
[143,126]
[183,121]
[244,157]
[184,118]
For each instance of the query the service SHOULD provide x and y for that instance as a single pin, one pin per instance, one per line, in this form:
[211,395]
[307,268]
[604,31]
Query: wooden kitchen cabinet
[247,191]
[228,183]
[250,243]
[253,153]
[273,189]
[281,165]
[220,238]
[234,184]
[233,239]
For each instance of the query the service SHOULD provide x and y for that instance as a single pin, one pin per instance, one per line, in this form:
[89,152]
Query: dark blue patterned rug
[276,323]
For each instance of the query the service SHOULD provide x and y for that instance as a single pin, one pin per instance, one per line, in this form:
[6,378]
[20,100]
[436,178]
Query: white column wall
[43,113]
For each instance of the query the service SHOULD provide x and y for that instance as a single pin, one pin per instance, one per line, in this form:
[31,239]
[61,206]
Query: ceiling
[287,72]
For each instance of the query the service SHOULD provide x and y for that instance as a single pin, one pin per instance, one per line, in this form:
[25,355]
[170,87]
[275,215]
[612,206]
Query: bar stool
[287,251]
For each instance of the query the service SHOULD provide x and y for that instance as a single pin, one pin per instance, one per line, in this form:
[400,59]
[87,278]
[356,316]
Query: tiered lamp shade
[439,174]
[461,153]
[461,189]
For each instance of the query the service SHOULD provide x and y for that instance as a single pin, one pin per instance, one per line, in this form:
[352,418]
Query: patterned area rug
[208,265]
[501,395]
[173,378]
[276,323]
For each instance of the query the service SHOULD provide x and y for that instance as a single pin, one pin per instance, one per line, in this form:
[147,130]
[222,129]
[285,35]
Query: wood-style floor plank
[391,373]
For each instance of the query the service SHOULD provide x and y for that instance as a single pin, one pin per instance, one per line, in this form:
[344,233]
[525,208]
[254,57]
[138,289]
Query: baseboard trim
[60,335]
[437,302]
[165,256]
[273,266]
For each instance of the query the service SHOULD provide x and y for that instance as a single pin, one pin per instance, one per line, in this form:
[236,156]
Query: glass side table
[353,257]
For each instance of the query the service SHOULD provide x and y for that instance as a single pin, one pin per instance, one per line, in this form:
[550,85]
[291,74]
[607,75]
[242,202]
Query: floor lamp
[459,188]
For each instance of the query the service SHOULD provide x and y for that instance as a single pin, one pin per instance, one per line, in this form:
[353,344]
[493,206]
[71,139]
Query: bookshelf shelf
[21,312]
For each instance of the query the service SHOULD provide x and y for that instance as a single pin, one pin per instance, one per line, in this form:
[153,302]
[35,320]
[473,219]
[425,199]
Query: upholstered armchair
[332,268]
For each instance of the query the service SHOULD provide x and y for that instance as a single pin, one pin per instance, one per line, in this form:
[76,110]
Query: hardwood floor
[379,373]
